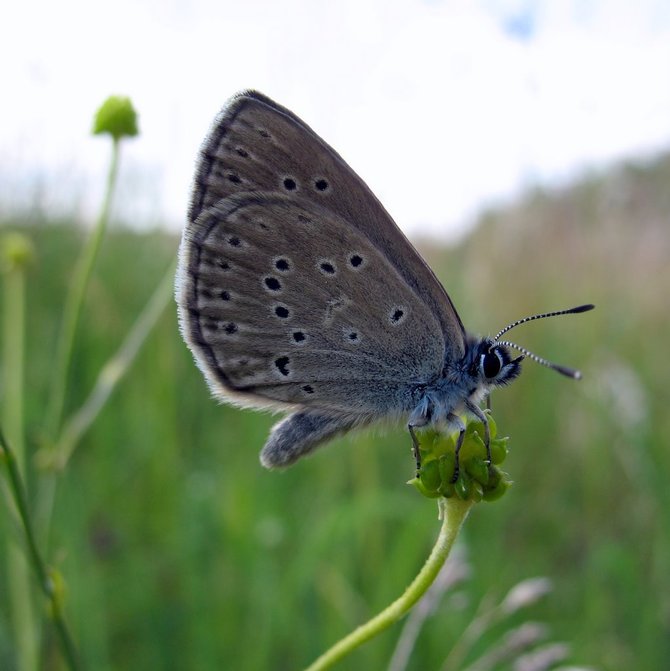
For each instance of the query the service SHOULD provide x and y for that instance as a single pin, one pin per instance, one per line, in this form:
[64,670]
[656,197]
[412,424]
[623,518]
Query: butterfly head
[493,364]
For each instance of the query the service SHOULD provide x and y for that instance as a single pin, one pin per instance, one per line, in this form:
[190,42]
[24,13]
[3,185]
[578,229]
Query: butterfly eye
[490,364]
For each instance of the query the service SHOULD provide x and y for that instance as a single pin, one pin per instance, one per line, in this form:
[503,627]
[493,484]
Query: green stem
[453,512]
[74,301]
[13,357]
[26,626]
[112,372]
[45,580]
[54,459]
[71,314]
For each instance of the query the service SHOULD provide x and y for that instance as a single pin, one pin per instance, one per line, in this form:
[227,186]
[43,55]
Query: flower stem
[112,372]
[45,579]
[453,512]
[71,314]
[75,299]
[26,625]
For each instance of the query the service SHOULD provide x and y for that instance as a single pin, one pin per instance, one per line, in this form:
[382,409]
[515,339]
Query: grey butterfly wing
[297,290]
[284,302]
[257,145]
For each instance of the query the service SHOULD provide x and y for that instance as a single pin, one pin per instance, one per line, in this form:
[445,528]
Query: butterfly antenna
[556,313]
[563,370]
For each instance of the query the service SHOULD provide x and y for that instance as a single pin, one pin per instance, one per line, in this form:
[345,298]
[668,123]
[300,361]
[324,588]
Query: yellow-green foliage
[180,551]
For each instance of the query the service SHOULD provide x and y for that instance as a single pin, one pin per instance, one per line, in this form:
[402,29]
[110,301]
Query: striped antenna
[563,370]
[571,311]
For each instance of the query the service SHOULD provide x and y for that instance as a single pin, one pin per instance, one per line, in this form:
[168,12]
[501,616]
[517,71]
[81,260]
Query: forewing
[257,145]
[283,301]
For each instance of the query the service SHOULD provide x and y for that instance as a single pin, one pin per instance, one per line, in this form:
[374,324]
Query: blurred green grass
[180,552]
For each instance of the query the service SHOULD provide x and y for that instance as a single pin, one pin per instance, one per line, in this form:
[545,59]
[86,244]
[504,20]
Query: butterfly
[296,291]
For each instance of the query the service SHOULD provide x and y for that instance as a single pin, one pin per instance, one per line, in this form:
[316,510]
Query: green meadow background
[179,551]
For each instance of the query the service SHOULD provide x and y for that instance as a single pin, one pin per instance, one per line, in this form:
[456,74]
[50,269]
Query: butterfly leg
[421,416]
[300,433]
[481,416]
[456,421]
[415,448]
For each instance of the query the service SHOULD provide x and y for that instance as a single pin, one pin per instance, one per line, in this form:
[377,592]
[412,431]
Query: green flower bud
[476,491]
[443,443]
[446,465]
[463,486]
[473,448]
[116,116]
[499,450]
[56,584]
[421,488]
[493,427]
[430,475]
[495,475]
[17,251]
[478,469]
[493,494]
[477,480]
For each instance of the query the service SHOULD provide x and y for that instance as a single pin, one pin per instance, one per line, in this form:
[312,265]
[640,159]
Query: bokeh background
[525,148]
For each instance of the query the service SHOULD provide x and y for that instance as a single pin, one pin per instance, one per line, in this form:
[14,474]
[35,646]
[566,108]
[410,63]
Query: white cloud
[440,106]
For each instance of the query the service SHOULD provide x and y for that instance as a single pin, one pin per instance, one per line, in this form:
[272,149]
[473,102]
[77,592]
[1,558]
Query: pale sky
[442,106]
